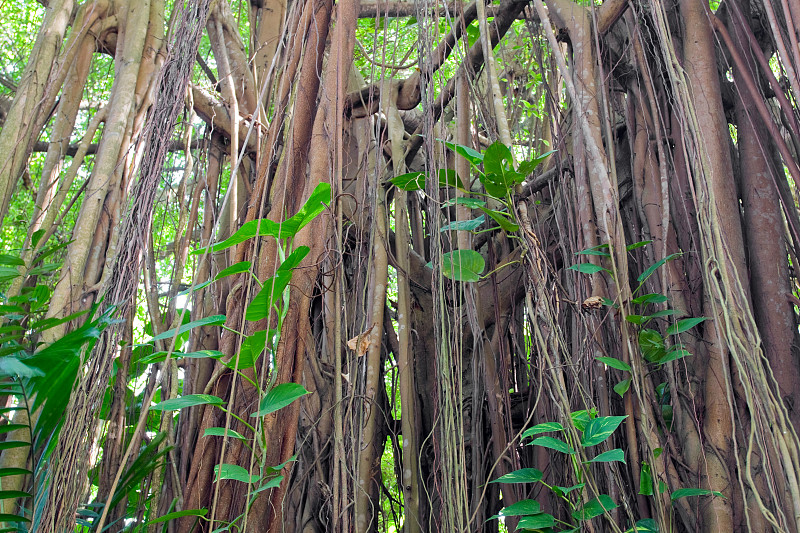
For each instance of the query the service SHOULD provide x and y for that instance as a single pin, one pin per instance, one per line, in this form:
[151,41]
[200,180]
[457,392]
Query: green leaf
[600,250]
[294,258]
[595,507]
[636,245]
[652,345]
[563,491]
[652,268]
[615,363]
[637,319]
[582,417]
[7,445]
[252,348]
[645,525]
[542,428]
[537,521]
[622,387]
[502,219]
[279,397]
[527,167]
[320,197]
[272,289]
[523,475]
[177,514]
[652,298]
[521,508]
[11,471]
[677,352]
[8,273]
[610,456]
[685,324]
[600,428]
[12,427]
[448,177]
[234,472]
[554,444]
[37,236]
[215,320]
[462,265]
[683,493]
[11,260]
[588,268]
[464,225]
[473,203]
[271,484]
[645,480]
[471,155]
[220,432]
[5,517]
[241,266]
[411,181]
[6,494]
[158,357]
[189,400]
[663,312]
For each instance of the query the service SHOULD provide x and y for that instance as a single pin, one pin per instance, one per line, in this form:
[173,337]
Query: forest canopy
[383,266]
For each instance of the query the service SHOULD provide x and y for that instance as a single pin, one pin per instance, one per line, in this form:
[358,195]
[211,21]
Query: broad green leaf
[448,177]
[610,456]
[521,508]
[537,521]
[215,320]
[523,475]
[652,345]
[196,287]
[554,444]
[462,265]
[652,298]
[464,225]
[294,258]
[595,507]
[158,357]
[11,260]
[234,472]
[600,428]
[652,268]
[683,493]
[471,155]
[615,363]
[645,525]
[252,348]
[637,319]
[279,397]
[507,225]
[269,294]
[320,197]
[527,167]
[177,514]
[37,236]
[600,249]
[674,354]
[663,312]
[473,203]
[542,428]
[636,245]
[587,268]
[8,273]
[189,400]
[238,268]
[411,181]
[622,387]
[582,417]
[685,324]
[563,491]
[220,432]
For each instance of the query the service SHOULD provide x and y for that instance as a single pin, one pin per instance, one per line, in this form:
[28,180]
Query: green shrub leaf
[595,507]
[610,456]
[190,400]
[685,324]
[600,428]
[683,493]
[279,397]
[523,475]
[615,363]
[234,472]
[554,444]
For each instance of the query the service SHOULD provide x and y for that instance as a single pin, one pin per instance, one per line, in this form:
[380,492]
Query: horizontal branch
[72,149]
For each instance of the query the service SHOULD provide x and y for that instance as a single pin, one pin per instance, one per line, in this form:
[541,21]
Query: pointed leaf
[220,432]
[279,397]
[215,320]
[610,456]
[647,273]
[587,268]
[189,400]
[622,387]
[464,225]
[685,324]
[554,444]
[600,428]
[507,225]
[521,508]
[462,265]
[234,472]
[595,507]
[542,428]
[523,475]
[270,292]
[615,363]
[652,298]
[177,514]
[537,521]
[683,493]
[241,266]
